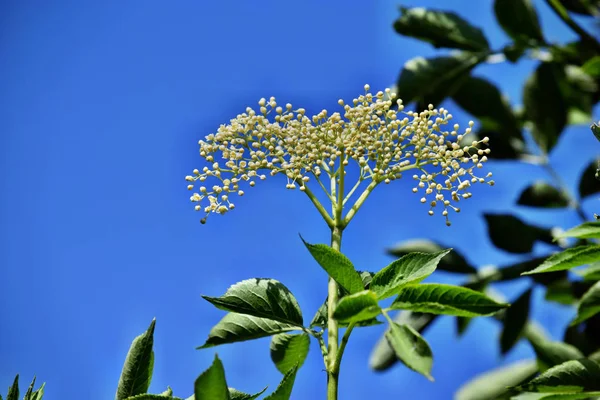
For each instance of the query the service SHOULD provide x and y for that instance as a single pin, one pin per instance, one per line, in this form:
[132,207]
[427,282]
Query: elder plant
[345,155]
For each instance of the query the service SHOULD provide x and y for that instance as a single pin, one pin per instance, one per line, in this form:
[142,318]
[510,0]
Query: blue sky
[101,108]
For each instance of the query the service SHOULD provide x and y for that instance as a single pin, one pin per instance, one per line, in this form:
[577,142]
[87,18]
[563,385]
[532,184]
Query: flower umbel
[383,143]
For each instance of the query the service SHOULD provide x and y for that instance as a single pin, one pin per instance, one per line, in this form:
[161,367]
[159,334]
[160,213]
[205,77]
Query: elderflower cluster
[382,140]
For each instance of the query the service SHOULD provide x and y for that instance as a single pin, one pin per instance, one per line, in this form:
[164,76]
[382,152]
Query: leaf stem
[340,354]
[562,13]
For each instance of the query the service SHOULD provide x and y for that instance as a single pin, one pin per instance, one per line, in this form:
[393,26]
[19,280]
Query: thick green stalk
[332,325]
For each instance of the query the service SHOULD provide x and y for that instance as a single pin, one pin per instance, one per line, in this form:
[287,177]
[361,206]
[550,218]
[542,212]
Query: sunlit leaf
[284,390]
[451,262]
[569,377]
[139,364]
[568,259]
[410,348]
[237,395]
[289,350]
[589,304]
[361,306]
[211,384]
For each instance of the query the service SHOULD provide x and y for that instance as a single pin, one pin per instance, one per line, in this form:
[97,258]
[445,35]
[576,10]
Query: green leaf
[515,319]
[545,105]
[211,384]
[509,233]
[237,395]
[519,20]
[564,396]
[482,99]
[591,273]
[383,356]
[585,7]
[168,392]
[441,29]
[436,298]
[588,184]
[13,391]
[265,298]
[38,394]
[587,230]
[578,91]
[551,353]
[410,348]
[494,384]
[568,259]
[139,364]
[284,390]
[239,327]
[337,266]
[411,268]
[451,262]
[148,396]
[361,306]
[289,351]
[541,194]
[435,78]
[569,377]
[589,304]
[29,391]
[592,67]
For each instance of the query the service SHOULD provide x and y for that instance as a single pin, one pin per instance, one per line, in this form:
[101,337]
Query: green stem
[359,202]
[563,14]
[340,354]
[332,325]
[319,206]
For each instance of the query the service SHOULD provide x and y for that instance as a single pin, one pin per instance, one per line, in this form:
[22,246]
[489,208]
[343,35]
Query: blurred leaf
[411,268]
[514,271]
[284,390]
[595,357]
[578,90]
[436,298]
[541,194]
[494,384]
[435,78]
[337,266]
[237,395]
[289,351]
[589,304]
[587,230]
[149,396]
[509,233]
[570,377]
[451,262]
[560,396]
[588,184]
[565,291]
[441,29]
[483,100]
[576,53]
[410,348]
[577,337]
[591,273]
[383,356]
[568,259]
[519,20]
[38,394]
[515,318]
[13,390]
[264,298]
[592,67]
[211,384]
[585,7]
[514,51]
[357,307]
[139,364]
[545,105]
[551,353]
[596,131]
[239,327]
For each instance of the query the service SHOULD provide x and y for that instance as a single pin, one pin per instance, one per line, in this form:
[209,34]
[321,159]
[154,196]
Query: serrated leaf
[435,78]
[361,306]
[519,20]
[545,105]
[13,390]
[569,377]
[337,266]
[441,29]
[211,384]
[284,390]
[451,262]
[587,230]
[383,356]
[568,259]
[139,364]
[148,396]
[551,353]
[483,100]
[436,298]
[542,194]
[411,268]
[515,319]
[588,184]
[509,233]
[237,395]
[239,327]
[494,384]
[264,298]
[410,348]
[589,304]
[289,350]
